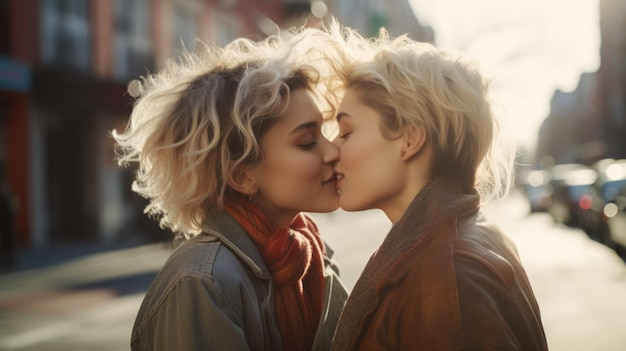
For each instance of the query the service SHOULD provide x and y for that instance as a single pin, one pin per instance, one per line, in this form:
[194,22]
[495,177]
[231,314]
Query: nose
[331,153]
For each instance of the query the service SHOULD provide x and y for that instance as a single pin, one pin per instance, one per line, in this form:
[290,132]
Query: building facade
[611,93]
[64,70]
[590,123]
[368,16]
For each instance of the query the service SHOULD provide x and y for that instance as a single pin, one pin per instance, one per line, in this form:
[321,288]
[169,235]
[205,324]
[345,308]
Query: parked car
[568,183]
[592,218]
[537,190]
[615,213]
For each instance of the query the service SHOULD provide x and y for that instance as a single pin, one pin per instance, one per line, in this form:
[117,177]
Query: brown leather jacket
[443,279]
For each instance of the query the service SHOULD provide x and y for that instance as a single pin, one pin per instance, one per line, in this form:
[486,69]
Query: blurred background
[64,71]
[73,237]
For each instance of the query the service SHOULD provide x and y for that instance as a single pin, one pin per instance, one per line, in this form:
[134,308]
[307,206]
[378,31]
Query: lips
[330,179]
[339,177]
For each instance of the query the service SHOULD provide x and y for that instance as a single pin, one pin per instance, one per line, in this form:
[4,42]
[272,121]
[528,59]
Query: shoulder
[207,259]
[199,263]
[459,255]
[201,273]
[481,246]
[493,288]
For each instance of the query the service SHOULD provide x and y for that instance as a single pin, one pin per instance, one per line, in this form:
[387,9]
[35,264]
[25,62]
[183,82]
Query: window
[226,27]
[65,32]
[185,25]
[132,45]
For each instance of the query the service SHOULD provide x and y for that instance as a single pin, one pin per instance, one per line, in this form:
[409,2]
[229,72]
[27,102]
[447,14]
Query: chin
[331,206]
[346,206]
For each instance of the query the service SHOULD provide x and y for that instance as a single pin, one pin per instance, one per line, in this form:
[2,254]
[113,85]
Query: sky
[527,48]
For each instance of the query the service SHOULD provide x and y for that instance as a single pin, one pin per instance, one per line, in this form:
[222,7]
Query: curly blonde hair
[204,115]
[414,83]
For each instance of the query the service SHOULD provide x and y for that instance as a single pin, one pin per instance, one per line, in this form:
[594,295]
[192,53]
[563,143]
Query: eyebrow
[307,125]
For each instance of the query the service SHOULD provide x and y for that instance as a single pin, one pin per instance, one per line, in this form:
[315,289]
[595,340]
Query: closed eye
[344,135]
[308,146]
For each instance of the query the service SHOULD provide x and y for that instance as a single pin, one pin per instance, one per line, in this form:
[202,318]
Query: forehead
[301,109]
[353,106]
[351,96]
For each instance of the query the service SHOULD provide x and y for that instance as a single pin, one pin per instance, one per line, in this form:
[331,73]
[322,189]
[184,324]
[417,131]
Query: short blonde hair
[203,116]
[414,83]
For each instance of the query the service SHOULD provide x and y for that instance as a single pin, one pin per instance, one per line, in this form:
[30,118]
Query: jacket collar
[221,226]
[437,203]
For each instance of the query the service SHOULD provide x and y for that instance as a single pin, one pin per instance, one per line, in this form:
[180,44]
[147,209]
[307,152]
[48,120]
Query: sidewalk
[34,258]
[72,266]
[59,298]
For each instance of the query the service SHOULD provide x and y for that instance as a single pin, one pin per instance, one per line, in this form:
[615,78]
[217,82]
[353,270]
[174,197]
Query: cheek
[368,165]
[309,165]
[293,168]
[303,166]
[349,156]
[357,157]
[296,183]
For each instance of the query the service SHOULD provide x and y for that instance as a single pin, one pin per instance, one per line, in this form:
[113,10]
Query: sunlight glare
[528,48]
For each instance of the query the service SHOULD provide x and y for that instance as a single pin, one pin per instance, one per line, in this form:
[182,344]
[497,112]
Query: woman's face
[297,171]
[370,171]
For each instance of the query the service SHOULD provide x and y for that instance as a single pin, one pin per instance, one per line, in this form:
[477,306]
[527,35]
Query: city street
[89,301]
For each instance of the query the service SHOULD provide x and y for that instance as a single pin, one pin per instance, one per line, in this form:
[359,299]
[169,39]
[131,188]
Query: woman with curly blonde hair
[230,152]
[419,140]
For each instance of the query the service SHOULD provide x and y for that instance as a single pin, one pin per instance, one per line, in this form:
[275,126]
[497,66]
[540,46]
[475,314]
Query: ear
[242,181]
[413,141]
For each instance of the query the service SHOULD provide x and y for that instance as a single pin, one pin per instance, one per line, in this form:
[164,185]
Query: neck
[396,208]
[279,218]
[416,176]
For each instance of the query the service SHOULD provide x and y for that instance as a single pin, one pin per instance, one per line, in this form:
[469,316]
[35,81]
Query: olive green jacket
[216,293]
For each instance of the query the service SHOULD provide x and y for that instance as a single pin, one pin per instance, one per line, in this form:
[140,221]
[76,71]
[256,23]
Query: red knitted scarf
[295,259]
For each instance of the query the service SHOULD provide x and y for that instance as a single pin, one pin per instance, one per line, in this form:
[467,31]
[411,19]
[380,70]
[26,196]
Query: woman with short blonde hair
[230,152]
[419,140]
